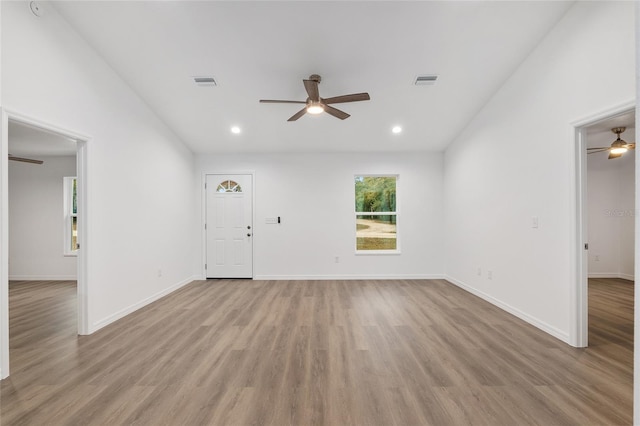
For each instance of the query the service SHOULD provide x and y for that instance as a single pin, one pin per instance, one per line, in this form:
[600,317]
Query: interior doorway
[604,245]
[611,199]
[13,124]
[42,205]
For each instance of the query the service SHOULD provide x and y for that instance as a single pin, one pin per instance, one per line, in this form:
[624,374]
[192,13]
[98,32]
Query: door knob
[248,227]
[248,235]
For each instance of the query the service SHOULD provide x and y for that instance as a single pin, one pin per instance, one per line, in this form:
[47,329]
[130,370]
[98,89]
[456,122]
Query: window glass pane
[74,233]
[375,193]
[376,232]
[74,206]
[70,195]
[229,186]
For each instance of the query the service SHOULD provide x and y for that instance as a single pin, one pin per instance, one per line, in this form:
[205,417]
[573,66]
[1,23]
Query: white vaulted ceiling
[263,50]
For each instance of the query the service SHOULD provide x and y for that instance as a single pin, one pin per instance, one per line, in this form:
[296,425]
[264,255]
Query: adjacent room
[369,212]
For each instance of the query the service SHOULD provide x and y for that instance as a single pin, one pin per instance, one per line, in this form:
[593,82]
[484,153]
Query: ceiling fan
[316,105]
[617,148]
[25,160]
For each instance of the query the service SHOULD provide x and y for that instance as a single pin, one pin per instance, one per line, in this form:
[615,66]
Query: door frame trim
[83,155]
[203,217]
[579,304]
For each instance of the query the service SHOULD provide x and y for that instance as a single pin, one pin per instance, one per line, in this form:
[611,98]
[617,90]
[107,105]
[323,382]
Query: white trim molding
[611,275]
[43,277]
[350,277]
[627,277]
[141,304]
[83,160]
[578,305]
[555,332]
[203,218]
[4,243]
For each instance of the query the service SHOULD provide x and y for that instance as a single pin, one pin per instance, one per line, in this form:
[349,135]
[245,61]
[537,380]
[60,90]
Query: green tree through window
[376,213]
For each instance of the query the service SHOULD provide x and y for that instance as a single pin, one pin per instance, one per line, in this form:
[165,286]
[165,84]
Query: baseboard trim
[558,334]
[348,277]
[611,275]
[43,277]
[141,304]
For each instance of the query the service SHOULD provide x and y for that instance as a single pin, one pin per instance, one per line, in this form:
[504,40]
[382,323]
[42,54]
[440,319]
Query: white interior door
[229,227]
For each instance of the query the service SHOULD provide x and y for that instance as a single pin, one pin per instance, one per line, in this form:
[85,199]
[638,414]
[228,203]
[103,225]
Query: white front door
[229,226]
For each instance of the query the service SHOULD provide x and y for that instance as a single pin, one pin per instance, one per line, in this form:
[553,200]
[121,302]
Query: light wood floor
[300,353]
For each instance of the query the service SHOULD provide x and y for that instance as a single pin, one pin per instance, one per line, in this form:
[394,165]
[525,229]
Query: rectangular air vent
[426,80]
[205,81]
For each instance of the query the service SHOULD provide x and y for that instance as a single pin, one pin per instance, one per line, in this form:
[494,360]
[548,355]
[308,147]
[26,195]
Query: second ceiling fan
[316,105]
[617,148]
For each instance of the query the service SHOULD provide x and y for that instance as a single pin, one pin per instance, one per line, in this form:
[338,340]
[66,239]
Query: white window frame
[396,214]
[68,216]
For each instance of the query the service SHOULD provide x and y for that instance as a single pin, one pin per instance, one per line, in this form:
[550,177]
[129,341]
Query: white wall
[141,218]
[314,196]
[515,161]
[4,232]
[36,226]
[611,201]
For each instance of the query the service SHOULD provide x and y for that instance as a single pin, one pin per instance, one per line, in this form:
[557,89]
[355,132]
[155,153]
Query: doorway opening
[605,214]
[35,159]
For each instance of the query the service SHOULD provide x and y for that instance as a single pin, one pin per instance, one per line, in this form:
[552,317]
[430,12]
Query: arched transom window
[229,186]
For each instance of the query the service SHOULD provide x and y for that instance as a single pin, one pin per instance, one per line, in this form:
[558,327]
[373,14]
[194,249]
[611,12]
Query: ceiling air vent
[205,81]
[426,80]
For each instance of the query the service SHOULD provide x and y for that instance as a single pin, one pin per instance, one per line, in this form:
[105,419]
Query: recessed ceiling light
[396,129]
[235,129]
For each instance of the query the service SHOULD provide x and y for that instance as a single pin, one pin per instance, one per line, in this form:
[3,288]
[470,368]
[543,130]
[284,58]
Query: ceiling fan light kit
[317,105]
[315,108]
[617,148]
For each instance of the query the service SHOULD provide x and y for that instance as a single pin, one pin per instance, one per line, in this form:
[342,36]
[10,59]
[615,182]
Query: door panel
[229,230]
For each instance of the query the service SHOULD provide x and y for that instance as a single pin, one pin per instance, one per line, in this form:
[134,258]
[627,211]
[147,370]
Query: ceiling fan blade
[298,114]
[311,86]
[598,152]
[356,97]
[336,112]
[274,101]
[25,160]
[612,156]
[600,147]
[631,145]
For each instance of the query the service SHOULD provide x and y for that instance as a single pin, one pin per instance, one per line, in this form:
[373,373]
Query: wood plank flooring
[239,352]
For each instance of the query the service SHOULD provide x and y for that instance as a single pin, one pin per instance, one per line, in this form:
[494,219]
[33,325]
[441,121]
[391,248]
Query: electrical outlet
[159,273]
[597,258]
[337,259]
[479,272]
[490,275]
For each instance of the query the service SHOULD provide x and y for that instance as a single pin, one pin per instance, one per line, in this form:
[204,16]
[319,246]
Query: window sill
[377,252]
